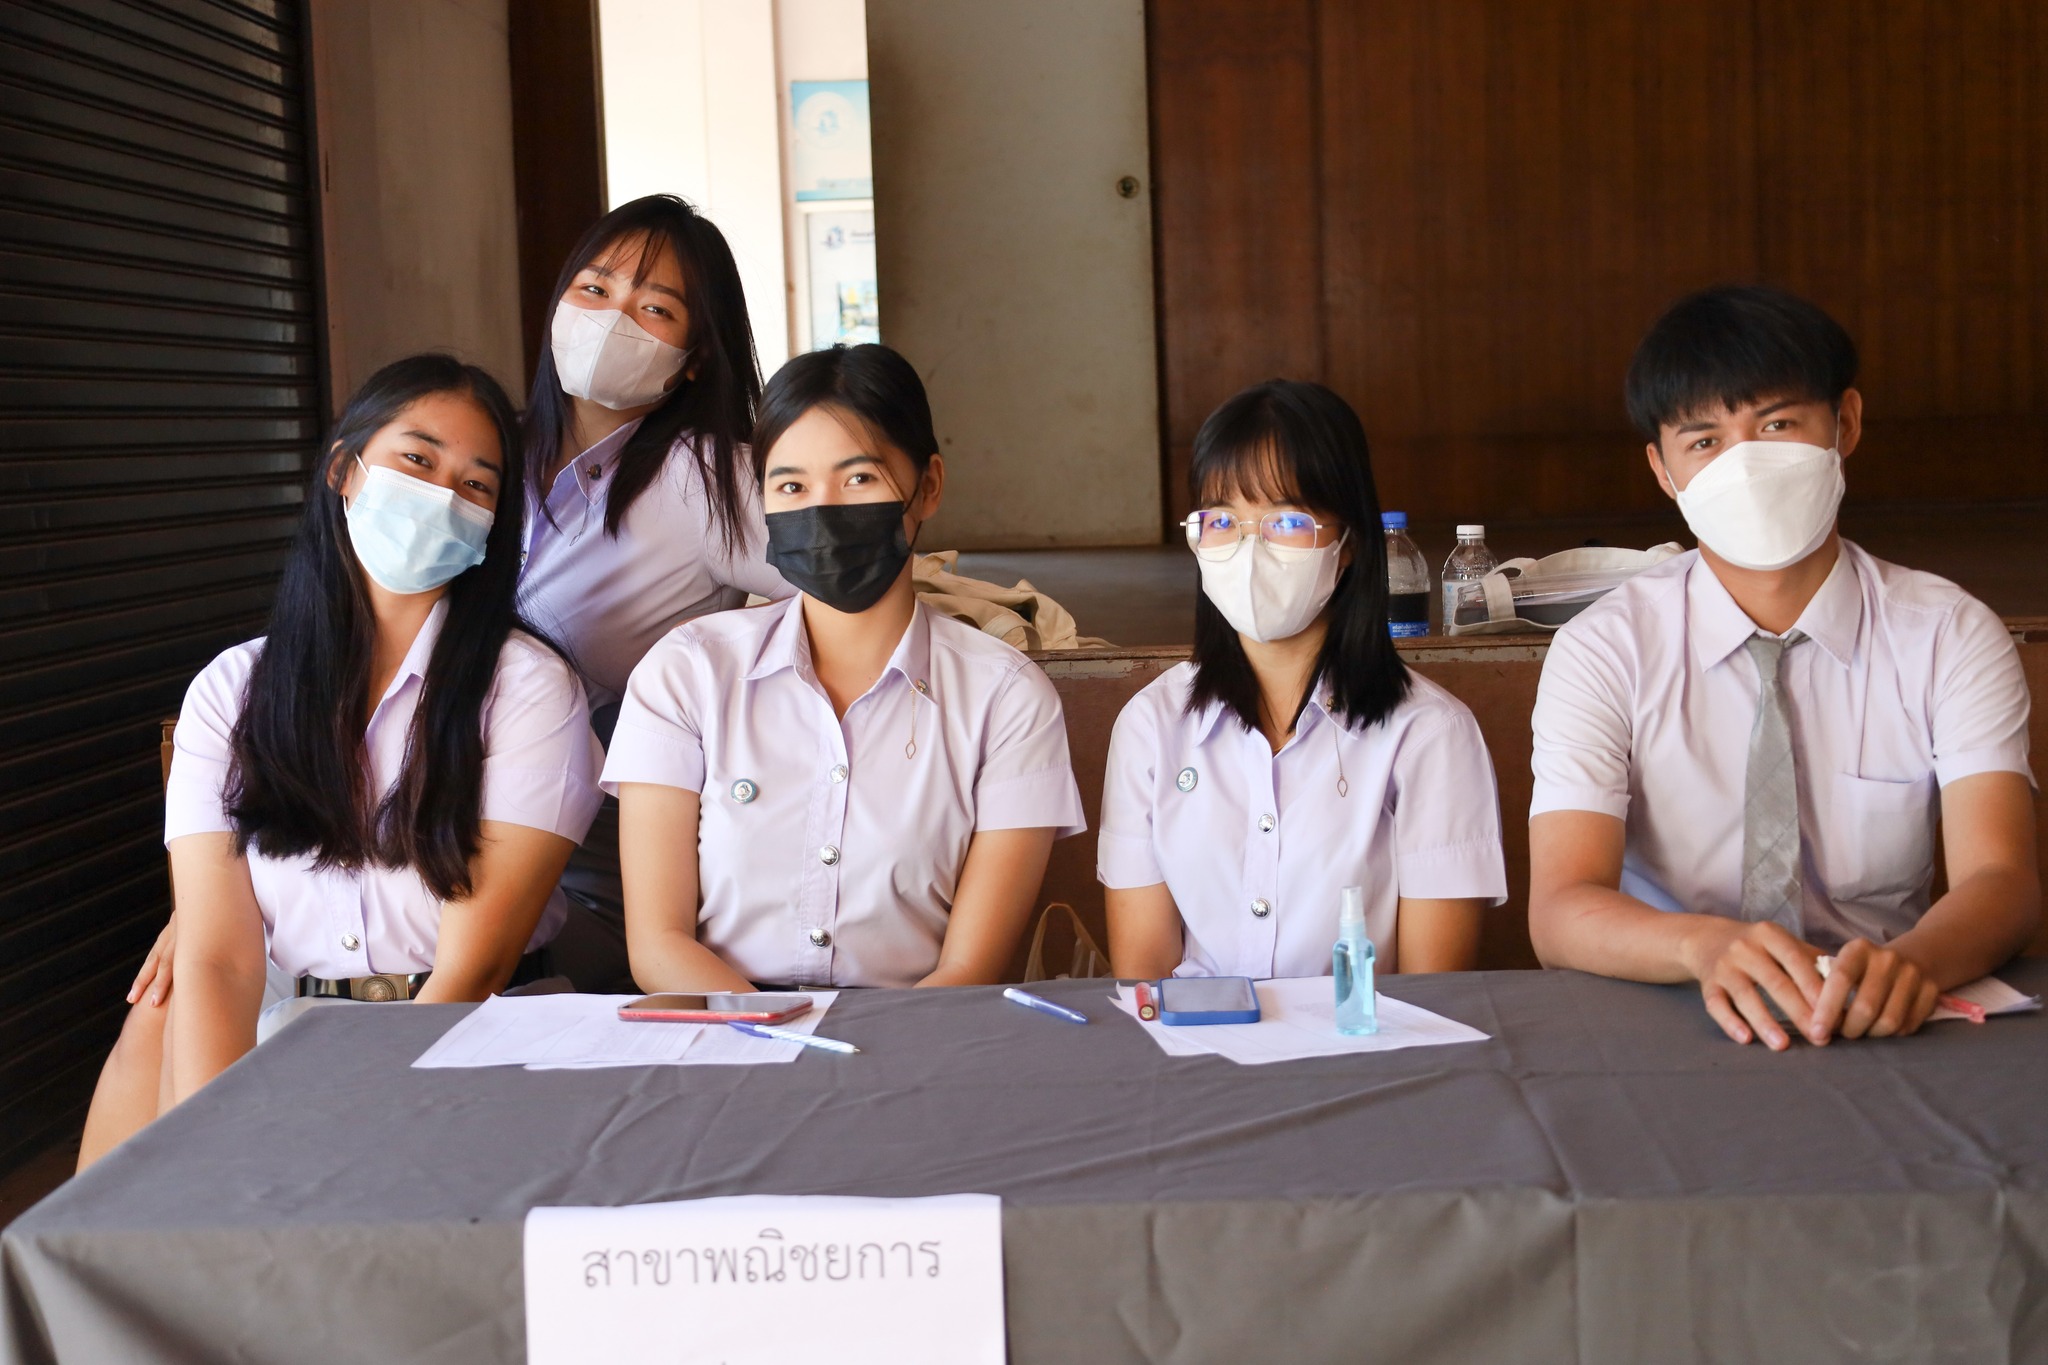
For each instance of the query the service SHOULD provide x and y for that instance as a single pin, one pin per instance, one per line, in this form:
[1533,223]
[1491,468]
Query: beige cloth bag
[1085,960]
[1021,616]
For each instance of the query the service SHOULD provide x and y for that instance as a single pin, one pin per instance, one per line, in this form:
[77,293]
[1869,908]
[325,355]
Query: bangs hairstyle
[716,407]
[296,783]
[1288,441]
[1731,346]
[871,384]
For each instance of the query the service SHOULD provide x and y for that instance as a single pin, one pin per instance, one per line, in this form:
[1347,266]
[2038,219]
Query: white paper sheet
[1298,1018]
[584,1032]
[1994,995]
[768,1279]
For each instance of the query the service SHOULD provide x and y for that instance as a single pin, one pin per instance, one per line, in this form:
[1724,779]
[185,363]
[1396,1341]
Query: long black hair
[1286,439]
[716,405]
[872,384]
[297,783]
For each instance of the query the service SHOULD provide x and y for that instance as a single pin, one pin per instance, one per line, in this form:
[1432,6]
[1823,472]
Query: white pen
[790,1035]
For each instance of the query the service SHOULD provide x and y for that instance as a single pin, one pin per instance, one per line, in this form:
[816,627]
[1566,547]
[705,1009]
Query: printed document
[584,1032]
[1298,1018]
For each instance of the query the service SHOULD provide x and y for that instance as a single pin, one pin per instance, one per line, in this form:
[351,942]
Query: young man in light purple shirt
[1742,754]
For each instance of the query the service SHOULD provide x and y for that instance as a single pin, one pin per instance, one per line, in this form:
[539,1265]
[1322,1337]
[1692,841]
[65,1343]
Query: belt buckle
[385,986]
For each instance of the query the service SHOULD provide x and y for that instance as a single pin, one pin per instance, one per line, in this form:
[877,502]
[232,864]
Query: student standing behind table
[1741,754]
[1295,754]
[386,785]
[844,789]
[643,512]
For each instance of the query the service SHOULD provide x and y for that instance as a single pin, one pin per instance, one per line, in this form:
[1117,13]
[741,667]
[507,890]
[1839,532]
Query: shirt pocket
[1882,847]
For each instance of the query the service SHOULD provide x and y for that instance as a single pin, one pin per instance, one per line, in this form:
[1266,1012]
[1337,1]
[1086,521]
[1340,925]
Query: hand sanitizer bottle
[1351,966]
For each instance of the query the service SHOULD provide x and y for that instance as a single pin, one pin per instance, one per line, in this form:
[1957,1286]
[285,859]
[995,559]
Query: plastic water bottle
[1407,579]
[1351,963]
[1469,563]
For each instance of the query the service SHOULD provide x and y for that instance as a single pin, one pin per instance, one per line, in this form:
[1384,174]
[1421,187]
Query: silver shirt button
[1266,823]
[820,939]
[1261,908]
[351,942]
[828,855]
[744,791]
[1187,779]
[839,772]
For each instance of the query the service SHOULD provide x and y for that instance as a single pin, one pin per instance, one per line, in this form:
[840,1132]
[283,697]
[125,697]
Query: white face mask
[1765,504]
[1268,592]
[605,356]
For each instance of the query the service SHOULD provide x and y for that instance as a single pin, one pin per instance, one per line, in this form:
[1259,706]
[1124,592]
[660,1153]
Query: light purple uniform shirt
[1257,847]
[540,770]
[1904,684]
[828,851]
[606,599]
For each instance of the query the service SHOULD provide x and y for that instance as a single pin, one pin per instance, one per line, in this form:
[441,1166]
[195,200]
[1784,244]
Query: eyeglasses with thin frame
[1216,534]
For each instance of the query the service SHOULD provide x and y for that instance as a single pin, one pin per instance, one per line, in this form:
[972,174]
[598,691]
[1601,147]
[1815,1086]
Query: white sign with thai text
[762,1279]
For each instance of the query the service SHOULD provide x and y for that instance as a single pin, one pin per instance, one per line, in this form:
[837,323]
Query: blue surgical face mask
[412,536]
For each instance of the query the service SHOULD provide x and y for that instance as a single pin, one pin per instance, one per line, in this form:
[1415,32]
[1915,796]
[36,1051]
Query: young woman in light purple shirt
[844,789]
[643,512]
[1295,754]
[376,799]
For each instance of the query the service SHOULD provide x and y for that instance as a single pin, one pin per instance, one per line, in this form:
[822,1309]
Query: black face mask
[844,554]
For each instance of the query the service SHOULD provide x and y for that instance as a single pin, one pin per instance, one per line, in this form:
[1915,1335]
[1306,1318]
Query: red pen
[1146,1009]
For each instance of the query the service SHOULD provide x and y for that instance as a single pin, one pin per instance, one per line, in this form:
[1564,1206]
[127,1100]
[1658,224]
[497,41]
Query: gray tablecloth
[1606,1180]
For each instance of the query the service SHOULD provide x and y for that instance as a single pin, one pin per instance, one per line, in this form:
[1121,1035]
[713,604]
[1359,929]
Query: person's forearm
[463,982]
[668,960]
[212,1022]
[1975,928]
[1598,929]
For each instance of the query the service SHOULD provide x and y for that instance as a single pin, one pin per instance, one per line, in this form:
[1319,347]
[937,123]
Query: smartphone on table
[1185,1000]
[756,1007]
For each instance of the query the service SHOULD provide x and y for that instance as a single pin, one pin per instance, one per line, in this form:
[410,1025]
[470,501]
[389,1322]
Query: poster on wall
[844,306]
[831,158]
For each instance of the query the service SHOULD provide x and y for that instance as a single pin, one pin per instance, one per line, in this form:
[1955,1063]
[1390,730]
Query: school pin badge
[1187,779]
[744,791]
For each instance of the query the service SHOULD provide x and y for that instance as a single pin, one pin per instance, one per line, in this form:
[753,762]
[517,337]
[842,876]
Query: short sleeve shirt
[540,770]
[607,598]
[828,849]
[1904,684]
[1256,848]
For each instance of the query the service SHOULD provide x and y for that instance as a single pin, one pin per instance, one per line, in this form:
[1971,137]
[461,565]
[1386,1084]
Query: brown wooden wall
[557,146]
[1462,213]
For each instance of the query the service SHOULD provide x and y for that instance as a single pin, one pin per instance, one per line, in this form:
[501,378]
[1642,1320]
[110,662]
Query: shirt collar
[595,465]
[1319,701]
[1719,627]
[788,645]
[414,665]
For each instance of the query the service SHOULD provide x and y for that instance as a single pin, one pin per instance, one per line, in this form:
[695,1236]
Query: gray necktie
[1770,797]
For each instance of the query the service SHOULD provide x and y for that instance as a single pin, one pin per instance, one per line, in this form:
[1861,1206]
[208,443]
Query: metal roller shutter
[159,400]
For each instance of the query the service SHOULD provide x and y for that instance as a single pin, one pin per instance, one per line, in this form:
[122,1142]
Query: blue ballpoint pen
[790,1035]
[1044,1006]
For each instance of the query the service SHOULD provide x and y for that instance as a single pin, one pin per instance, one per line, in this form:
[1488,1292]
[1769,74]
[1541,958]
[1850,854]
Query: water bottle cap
[1353,914]
[1393,521]
[1472,532]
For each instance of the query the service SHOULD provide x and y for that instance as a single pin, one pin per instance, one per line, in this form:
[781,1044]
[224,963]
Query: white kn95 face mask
[605,356]
[1765,504]
[1271,592]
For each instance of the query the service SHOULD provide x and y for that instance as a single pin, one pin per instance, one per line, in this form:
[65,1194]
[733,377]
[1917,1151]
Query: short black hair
[1290,440]
[1731,346]
[872,384]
